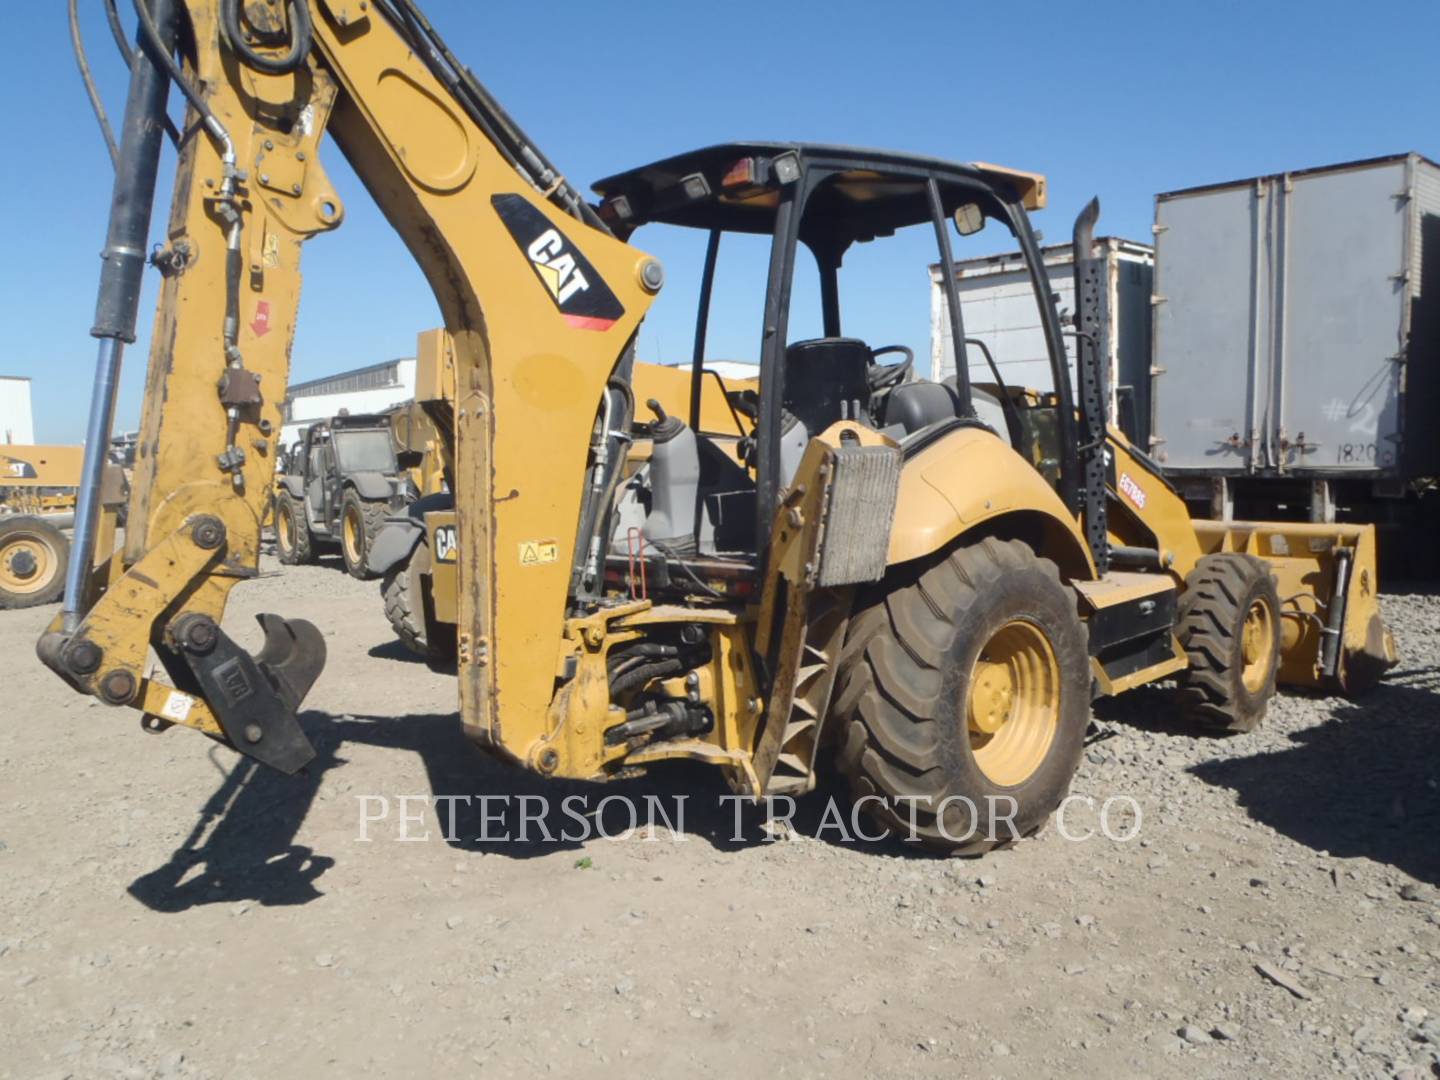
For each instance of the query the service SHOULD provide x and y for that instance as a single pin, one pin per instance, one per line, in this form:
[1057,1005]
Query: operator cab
[706,498]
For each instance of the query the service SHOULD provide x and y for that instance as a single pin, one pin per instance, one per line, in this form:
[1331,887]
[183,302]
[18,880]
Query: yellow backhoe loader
[927,581]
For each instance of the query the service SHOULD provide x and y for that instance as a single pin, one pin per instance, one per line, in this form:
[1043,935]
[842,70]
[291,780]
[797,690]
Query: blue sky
[1116,99]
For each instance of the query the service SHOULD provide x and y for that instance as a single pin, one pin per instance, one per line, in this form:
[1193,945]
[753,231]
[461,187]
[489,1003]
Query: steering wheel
[887,375]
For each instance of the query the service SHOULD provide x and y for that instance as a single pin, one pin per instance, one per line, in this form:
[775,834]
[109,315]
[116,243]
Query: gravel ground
[168,909]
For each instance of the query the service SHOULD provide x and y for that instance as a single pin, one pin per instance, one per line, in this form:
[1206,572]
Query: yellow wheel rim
[27,563]
[1257,646]
[283,529]
[1013,709]
[351,534]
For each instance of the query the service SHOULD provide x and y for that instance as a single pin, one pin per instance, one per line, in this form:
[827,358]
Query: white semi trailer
[999,306]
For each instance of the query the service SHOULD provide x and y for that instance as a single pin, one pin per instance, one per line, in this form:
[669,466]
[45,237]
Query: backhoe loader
[925,582]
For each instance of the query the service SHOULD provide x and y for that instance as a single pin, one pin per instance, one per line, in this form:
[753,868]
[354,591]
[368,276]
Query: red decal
[1132,491]
[260,325]
[589,322]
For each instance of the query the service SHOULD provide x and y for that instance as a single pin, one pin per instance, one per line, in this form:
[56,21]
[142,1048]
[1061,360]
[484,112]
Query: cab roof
[873,191]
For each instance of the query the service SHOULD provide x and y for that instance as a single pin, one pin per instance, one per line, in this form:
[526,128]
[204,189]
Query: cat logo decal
[584,300]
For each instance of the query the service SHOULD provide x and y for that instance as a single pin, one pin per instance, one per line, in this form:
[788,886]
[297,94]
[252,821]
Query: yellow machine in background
[924,581]
[37,498]
[39,479]
[419,449]
[418,587]
[39,486]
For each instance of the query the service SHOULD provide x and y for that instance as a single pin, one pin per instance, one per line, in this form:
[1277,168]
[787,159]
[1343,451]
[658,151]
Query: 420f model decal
[583,298]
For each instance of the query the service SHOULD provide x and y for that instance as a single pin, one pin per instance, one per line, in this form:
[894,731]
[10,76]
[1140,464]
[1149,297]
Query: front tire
[33,558]
[964,694]
[293,545]
[360,520]
[1229,626]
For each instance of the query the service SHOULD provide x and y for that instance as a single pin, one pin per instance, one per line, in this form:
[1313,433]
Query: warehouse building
[17,423]
[363,390]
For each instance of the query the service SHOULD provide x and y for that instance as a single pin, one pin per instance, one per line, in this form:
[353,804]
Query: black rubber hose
[626,654]
[299,39]
[117,31]
[488,114]
[96,105]
[670,553]
[639,676]
[161,55]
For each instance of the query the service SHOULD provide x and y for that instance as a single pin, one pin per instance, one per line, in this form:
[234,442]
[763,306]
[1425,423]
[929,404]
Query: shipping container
[1000,309]
[1295,332]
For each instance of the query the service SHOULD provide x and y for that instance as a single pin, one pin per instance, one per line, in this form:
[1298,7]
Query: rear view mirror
[969,219]
[409,459]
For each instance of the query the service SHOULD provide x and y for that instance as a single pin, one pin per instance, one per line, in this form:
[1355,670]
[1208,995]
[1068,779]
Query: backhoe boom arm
[458,182]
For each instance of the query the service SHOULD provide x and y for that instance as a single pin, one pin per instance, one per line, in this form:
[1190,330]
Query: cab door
[320,467]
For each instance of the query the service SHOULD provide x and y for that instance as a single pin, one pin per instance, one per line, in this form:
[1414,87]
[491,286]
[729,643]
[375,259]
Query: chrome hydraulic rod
[87,501]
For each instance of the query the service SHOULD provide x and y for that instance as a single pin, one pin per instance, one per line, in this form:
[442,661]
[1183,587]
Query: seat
[826,379]
[916,405]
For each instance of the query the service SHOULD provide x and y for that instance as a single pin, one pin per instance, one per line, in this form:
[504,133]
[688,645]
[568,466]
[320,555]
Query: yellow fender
[971,479]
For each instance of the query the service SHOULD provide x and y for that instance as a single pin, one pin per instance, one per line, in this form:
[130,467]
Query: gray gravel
[166,910]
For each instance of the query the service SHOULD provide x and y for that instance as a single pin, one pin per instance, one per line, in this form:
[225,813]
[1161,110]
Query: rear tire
[961,690]
[360,520]
[34,556]
[293,545]
[1229,626]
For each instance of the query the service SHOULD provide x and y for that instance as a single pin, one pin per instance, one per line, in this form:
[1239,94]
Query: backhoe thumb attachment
[256,698]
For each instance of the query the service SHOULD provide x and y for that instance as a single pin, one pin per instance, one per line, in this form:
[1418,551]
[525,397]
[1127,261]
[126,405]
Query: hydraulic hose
[160,54]
[641,675]
[96,105]
[117,31]
[487,113]
[300,33]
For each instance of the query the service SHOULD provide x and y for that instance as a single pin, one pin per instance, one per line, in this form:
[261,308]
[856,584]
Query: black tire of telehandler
[903,696]
[47,556]
[1219,594]
[360,520]
[293,544]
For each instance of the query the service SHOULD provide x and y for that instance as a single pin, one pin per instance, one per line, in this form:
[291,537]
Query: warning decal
[538,552]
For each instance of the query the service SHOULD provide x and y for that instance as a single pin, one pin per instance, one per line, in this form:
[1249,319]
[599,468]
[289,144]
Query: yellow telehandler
[926,580]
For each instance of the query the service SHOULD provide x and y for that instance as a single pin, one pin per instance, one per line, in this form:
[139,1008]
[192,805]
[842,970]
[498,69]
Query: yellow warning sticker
[536,552]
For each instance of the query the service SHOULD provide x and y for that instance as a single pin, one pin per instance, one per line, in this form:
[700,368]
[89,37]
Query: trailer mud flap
[256,698]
